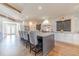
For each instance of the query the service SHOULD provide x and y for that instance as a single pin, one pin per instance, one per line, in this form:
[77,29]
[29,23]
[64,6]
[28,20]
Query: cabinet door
[68,38]
[38,26]
[64,37]
[59,37]
[76,39]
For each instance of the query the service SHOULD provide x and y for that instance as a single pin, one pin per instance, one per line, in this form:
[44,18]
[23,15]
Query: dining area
[39,30]
[38,38]
[38,42]
[36,34]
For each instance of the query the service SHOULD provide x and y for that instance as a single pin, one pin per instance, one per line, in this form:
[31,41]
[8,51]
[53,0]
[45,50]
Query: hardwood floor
[63,49]
[12,46]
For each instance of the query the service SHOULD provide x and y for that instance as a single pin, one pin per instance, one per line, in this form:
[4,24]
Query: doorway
[9,30]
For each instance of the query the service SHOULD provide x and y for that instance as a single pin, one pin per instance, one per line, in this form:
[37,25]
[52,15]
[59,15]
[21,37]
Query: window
[64,25]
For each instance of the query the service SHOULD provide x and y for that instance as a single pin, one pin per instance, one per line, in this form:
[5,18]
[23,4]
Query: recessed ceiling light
[39,7]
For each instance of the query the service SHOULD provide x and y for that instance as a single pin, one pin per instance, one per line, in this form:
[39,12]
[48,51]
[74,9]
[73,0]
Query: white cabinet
[76,39]
[68,38]
[64,37]
[59,37]
[72,38]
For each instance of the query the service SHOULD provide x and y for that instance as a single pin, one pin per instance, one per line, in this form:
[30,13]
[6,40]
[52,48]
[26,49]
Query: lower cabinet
[71,38]
[76,39]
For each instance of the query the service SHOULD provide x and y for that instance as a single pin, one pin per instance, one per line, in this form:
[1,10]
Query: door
[9,29]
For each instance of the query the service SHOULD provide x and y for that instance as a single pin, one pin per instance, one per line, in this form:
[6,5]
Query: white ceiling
[48,9]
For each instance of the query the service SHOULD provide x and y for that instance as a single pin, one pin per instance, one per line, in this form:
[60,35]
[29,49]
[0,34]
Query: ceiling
[50,10]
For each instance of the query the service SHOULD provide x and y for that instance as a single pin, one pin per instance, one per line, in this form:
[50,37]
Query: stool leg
[42,53]
[26,44]
[30,48]
[35,53]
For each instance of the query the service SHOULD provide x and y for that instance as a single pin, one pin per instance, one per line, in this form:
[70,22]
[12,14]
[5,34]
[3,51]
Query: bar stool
[34,45]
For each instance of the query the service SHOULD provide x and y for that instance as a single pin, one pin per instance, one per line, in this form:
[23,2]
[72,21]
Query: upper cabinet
[38,27]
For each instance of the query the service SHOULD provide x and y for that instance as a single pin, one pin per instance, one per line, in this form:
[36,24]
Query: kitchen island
[48,42]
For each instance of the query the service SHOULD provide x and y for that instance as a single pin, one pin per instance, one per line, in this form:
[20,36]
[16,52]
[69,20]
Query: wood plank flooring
[12,46]
[63,49]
